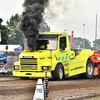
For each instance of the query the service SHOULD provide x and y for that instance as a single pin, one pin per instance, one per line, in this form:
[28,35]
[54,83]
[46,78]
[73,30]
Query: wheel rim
[60,73]
[90,69]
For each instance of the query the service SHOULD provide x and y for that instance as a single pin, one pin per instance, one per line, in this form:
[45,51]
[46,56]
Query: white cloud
[66,15]
[74,15]
[10,7]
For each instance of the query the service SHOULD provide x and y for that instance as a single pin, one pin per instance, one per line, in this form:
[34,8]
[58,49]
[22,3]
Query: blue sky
[62,15]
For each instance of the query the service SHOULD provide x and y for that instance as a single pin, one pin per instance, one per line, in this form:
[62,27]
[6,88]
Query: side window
[63,43]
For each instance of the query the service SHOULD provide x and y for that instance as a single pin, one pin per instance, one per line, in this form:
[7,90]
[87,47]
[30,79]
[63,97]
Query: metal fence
[11,58]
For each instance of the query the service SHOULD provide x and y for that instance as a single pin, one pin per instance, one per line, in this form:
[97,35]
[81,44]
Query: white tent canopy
[10,47]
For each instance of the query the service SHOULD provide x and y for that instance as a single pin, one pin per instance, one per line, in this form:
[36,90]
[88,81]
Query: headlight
[46,68]
[16,67]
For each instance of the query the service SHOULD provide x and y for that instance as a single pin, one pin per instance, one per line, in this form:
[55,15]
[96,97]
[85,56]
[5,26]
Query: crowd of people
[2,58]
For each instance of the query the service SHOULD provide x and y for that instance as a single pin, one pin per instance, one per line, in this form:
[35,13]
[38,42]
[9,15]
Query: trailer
[96,61]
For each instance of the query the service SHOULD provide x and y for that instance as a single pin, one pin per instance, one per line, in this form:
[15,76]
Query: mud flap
[97,70]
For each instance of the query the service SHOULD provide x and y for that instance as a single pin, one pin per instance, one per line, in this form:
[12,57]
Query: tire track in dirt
[13,88]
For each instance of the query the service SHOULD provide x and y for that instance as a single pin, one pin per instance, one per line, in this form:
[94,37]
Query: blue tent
[18,49]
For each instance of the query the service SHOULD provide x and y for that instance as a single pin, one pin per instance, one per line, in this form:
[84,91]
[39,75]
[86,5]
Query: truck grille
[28,63]
[28,67]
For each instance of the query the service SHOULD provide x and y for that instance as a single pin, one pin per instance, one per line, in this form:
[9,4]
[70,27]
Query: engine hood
[37,54]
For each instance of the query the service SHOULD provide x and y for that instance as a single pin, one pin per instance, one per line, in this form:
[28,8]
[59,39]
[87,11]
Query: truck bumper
[31,74]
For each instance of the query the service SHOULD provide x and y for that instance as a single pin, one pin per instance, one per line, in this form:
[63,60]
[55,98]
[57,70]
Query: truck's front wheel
[58,73]
[89,69]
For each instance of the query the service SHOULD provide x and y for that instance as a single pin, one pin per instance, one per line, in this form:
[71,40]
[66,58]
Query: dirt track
[13,88]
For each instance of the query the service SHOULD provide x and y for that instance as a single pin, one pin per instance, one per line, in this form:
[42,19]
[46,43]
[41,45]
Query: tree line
[11,35]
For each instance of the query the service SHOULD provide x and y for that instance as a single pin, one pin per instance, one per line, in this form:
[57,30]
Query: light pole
[83,34]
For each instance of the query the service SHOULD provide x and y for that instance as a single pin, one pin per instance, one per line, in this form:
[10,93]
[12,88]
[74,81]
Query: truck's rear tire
[24,78]
[89,69]
[58,73]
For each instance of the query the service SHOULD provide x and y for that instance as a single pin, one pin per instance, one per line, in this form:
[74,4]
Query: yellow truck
[53,55]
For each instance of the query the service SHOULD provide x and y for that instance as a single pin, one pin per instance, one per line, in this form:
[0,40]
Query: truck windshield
[47,42]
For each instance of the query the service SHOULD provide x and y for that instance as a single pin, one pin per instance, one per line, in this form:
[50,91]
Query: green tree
[87,44]
[78,43]
[1,21]
[97,43]
[4,33]
[15,36]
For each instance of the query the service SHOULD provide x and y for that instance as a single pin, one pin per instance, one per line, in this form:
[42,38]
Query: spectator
[4,60]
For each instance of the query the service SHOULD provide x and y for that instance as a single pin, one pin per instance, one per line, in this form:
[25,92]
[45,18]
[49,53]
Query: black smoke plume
[31,19]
